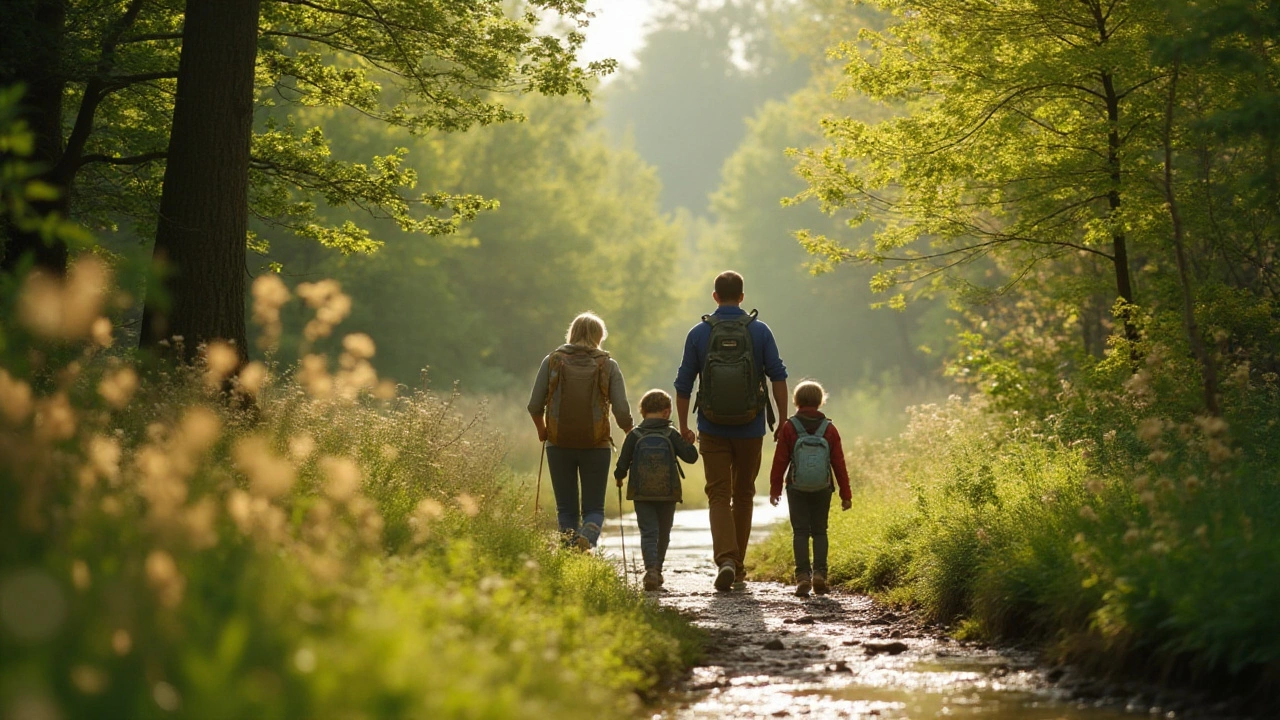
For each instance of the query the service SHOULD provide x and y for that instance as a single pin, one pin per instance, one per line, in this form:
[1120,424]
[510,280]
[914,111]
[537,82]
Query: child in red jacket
[807,473]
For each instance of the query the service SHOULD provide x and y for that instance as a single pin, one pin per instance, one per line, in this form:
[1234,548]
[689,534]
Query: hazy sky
[617,30]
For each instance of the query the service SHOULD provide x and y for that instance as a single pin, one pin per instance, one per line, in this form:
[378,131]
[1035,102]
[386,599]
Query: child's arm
[781,459]
[624,458]
[684,450]
[837,464]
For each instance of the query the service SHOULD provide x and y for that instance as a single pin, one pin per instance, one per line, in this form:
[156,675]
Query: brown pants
[731,466]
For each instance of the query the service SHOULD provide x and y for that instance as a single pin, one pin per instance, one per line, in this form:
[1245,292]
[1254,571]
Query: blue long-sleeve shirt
[695,352]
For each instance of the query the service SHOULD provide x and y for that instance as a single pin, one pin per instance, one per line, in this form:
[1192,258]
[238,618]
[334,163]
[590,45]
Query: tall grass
[276,544]
[1152,547]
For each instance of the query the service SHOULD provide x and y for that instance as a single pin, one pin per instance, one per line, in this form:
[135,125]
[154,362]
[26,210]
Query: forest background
[627,206]
[1062,213]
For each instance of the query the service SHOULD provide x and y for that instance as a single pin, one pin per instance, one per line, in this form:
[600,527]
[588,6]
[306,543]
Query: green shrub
[280,546]
[1156,545]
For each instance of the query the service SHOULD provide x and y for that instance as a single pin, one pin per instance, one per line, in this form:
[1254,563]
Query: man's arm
[682,418]
[780,398]
[688,372]
[777,374]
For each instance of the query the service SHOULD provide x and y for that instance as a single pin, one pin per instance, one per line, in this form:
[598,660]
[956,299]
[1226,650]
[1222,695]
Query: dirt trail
[774,655]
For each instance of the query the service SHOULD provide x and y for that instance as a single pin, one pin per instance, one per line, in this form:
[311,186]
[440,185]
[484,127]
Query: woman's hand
[541,424]
[845,504]
[688,435]
[773,500]
[542,434]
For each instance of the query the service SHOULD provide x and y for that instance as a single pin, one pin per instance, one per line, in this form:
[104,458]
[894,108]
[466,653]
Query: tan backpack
[581,420]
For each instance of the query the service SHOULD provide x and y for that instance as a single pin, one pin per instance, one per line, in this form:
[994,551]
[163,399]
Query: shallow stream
[775,655]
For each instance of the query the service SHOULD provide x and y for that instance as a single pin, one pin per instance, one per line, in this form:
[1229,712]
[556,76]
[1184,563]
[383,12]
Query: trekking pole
[537,497]
[622,533]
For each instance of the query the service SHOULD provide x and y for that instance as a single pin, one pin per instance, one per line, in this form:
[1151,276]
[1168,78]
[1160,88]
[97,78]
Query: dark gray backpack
[731,388]
[655,470]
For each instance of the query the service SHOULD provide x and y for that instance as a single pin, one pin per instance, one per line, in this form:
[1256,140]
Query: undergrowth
[1128,537]
[227,540]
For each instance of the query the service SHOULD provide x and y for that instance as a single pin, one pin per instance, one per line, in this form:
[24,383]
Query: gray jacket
[617,389]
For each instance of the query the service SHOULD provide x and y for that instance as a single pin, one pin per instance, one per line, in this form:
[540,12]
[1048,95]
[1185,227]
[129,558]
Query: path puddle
[774,655]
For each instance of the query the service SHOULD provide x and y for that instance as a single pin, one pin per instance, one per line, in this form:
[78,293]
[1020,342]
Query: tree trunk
[31,32]
[200,238]
[1119,243]
[1207,366]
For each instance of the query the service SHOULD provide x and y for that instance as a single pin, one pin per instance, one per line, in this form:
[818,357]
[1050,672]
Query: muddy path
[775,655]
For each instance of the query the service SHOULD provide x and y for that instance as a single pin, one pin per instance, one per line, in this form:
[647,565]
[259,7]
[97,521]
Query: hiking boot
[652,579]
[725,577]
[582,544]
[739,576]
[820,583]
[803,583]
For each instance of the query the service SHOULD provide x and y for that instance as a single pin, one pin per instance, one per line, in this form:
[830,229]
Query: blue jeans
[568,467]
[654,519]
[809,512]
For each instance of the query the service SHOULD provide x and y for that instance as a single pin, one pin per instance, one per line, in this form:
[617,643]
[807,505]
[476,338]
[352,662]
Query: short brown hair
[810,394]
[729,286]
[654,402]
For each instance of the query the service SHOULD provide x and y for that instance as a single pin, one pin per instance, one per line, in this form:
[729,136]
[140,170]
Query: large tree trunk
[200,239]
[31,35]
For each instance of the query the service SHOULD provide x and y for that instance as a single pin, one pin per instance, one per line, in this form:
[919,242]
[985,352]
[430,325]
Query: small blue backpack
[655,470]
[811,458]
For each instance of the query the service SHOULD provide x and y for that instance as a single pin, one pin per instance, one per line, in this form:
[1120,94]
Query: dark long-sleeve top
[810,418]
[684,450]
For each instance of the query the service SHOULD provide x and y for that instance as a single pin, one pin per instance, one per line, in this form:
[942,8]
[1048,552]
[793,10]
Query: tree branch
[127,160]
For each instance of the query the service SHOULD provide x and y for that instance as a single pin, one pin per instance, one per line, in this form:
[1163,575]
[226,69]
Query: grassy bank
[310,545]
[1148,548]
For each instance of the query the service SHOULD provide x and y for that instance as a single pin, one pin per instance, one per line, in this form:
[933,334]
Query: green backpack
[731,388]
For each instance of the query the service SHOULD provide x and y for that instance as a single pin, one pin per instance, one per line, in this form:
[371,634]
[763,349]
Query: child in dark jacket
[809,507]
[649,455]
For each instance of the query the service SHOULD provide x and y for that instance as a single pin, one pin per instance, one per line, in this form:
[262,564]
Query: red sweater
[787,443]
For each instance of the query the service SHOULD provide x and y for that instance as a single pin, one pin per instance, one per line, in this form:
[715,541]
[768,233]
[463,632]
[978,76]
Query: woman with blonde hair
[577,386]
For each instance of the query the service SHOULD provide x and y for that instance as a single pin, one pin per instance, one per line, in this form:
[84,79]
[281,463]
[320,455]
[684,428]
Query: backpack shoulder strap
[751,316]
[799,426]
[822,428]
[605,378]
[554,361]
[710,320]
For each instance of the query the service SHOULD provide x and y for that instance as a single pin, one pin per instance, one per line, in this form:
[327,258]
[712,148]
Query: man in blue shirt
[730,453]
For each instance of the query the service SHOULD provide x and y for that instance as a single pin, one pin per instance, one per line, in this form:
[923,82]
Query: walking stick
[537,498]
[622,533]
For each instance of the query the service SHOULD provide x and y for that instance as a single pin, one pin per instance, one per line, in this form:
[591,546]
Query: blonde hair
[654,402]
[586,330]
[810,394]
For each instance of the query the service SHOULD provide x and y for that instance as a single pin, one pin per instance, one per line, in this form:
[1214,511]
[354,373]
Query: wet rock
[774,644]
[895,634]
[891,648]
[838,666]
[851,643]
[806,620]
